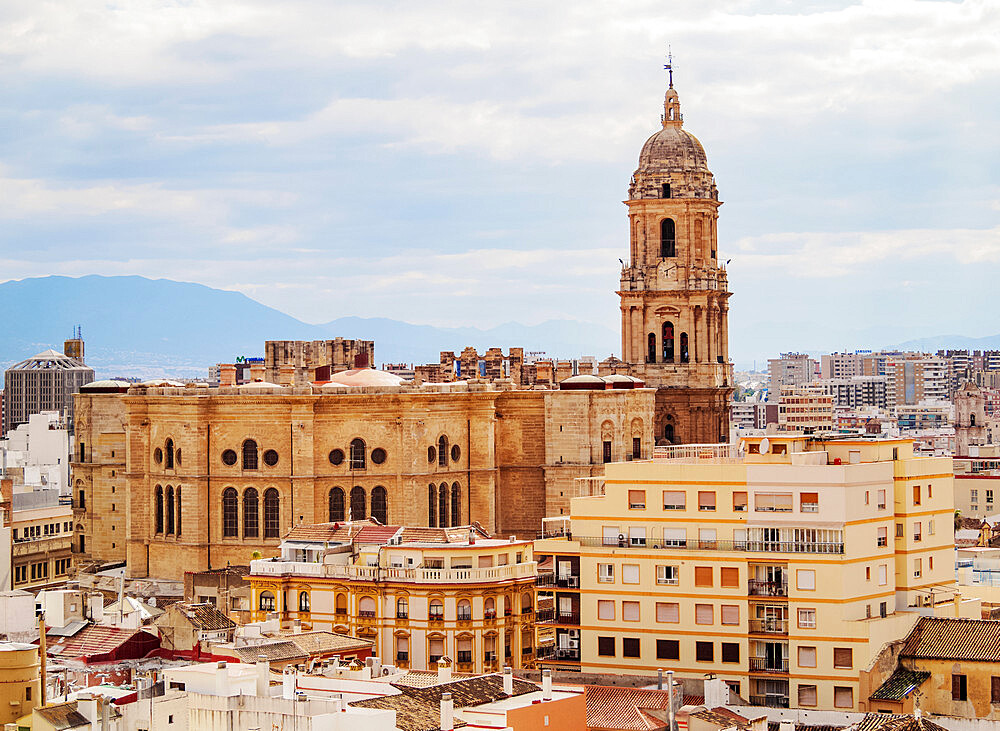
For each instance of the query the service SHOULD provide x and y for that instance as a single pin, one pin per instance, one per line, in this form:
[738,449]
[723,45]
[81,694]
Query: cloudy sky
[459,163]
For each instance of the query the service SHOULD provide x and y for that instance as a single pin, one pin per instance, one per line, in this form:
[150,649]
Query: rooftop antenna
[670,67]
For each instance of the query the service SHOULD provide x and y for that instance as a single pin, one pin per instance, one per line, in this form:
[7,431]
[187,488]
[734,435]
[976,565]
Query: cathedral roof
[672,149]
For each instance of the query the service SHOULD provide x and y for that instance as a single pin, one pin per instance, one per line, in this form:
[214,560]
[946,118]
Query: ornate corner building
[674,294]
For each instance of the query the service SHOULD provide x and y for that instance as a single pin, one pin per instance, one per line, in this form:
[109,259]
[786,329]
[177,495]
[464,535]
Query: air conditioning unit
[574,634]
[574,644]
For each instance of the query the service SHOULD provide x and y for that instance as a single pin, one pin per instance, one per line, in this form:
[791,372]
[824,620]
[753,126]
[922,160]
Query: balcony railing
[693,544]
[568,617]
[769,701]
[770,626]
[278,567]
[768,665]
[756,587]
[545,615]
[567,653]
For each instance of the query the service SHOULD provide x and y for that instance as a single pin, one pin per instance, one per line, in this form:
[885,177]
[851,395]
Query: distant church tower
[674,295]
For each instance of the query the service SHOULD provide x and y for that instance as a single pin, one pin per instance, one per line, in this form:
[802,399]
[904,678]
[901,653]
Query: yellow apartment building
[781,565]
[41,548]
[419,593]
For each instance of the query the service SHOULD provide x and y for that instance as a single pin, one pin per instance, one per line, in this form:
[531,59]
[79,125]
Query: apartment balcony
[571,654]
[769,626]
[545,615]
[43,545]
[567,617]
[769,701]
[350,572]
[568,582]
[756,587]
[768,665]
[693,544]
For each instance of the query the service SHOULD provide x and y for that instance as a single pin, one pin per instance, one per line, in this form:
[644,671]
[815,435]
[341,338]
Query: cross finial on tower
[670,67]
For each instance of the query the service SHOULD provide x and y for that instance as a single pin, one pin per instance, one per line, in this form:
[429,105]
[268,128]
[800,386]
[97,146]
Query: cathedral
[674,294]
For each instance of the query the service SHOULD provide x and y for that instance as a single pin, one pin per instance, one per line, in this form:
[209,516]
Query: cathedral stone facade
[674,294]
[186,479]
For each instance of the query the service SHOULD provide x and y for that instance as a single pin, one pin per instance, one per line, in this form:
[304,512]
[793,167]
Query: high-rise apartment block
[913,378]
[805,408]
[791,369]
[854,391]
[783,570]
[44,382]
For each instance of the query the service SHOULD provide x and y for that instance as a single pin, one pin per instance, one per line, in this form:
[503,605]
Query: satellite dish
[765,445]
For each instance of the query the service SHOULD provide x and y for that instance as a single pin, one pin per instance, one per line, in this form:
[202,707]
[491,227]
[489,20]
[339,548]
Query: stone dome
[673,149]
[672,163]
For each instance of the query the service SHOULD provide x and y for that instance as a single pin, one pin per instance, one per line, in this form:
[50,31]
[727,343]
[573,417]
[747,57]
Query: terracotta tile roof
[723,718]
[620,708]
[457,534]
[271,651]
[425,678]
[320,643]
[895,722]
[231,570]
[419,709]
[91,641]
[954,639]
[205,616]
[899,685]
[376,534]
[338,532]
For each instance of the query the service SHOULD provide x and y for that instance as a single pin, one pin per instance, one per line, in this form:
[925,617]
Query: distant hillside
[145,327]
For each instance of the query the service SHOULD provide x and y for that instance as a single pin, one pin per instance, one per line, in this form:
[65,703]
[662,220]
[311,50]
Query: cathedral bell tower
[674,294]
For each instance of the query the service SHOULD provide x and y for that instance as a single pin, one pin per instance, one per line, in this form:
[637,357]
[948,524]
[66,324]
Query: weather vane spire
[670,67]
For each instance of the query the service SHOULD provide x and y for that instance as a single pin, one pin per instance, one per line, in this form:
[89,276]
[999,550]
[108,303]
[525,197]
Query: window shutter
[668,612]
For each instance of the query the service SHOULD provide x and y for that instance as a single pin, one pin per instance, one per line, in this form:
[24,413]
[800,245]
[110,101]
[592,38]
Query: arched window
[169,455]
[432,506]
[972,419]
[668,433]
[651,348]
[272,513]
[178,494]
[357,503]
[266,601]
[526,603]
[402,608]
[170,510]
[230,517]
[336,504]
[685,356]
[436,609]
[366,607]
[456,504]
[304,601]
[380,507]
[668,342]
[358,454]
[251,513]
[443,451]
[668,242]
[249,454]
[464,609]
[159,508]
[340,604]
[490,607]
[443,505]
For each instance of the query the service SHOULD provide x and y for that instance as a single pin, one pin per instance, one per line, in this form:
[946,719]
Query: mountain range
[134,326]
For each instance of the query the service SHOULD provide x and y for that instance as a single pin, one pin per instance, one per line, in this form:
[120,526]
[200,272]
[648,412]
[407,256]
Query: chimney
[716,693]
[86,706]
[472,536]
[786,724]
[659,678]
[444,670]
[221,678]
[288,683]
[297,626]
[263,677]
[447,712]
[546,685]
[227,374]
[508,681]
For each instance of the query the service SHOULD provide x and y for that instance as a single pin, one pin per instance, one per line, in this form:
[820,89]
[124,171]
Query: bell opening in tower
[668,242]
